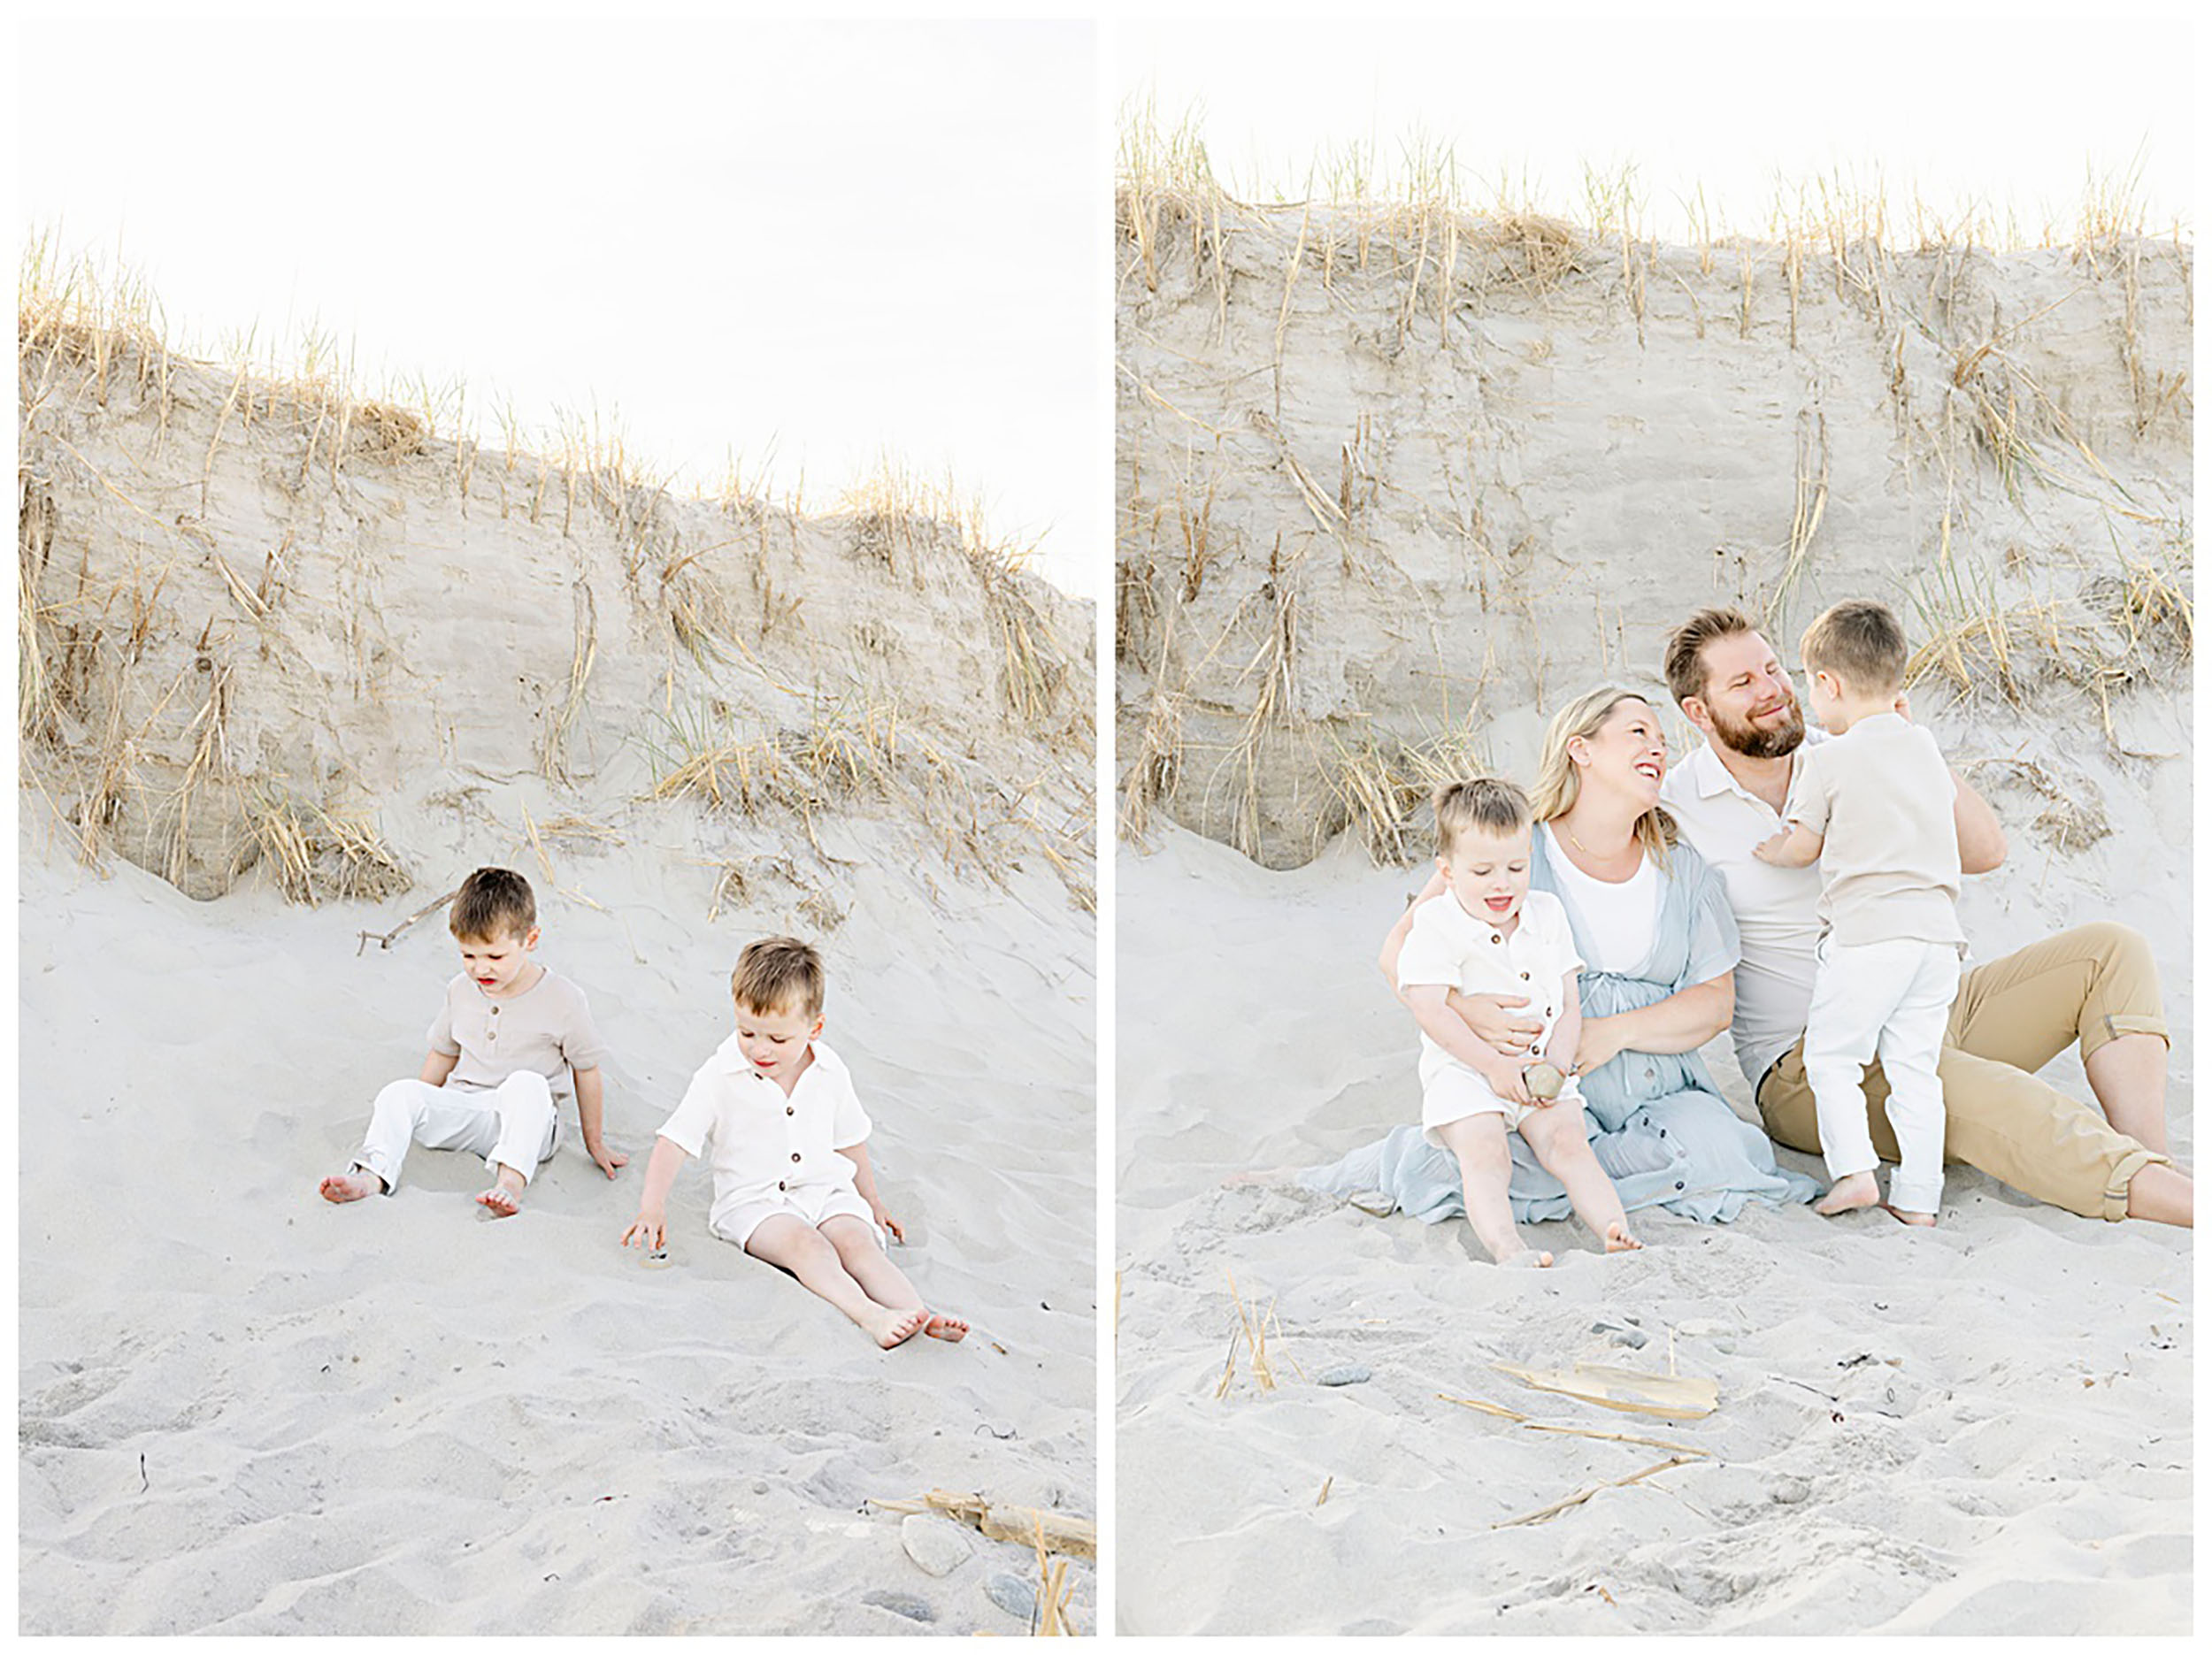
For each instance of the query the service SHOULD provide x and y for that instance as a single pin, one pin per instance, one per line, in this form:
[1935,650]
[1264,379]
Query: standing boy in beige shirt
[1874,807]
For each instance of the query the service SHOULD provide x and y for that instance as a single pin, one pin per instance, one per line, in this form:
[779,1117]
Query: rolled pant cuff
[2123,1171]
[2098,1032]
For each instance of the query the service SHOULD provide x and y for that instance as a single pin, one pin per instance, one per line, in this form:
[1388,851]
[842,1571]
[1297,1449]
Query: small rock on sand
[935,1545]
[902,1604]
[1010,1592]
[1351,1374]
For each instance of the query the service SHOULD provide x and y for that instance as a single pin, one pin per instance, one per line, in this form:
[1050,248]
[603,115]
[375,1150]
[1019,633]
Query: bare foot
[1619,1240]
[1848,1194]
[1919,1221]
[351,1186]
[1526,1259]
[896,1326]
[949,1329]
[503,1199]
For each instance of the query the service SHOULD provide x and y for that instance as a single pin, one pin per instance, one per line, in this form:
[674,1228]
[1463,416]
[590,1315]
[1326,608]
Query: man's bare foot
[351,1186]
[1619,1240]
[895,1327]
[949,1329]
[1919,1221]
[1848,1194]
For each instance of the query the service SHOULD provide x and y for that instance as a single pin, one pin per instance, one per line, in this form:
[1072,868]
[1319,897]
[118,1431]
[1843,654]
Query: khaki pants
[2013,1015]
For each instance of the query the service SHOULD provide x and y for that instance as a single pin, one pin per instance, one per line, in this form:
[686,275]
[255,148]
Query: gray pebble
[1351,1374]
[1010,1592]
[1634,1338]
[903,1603]
[935,1544]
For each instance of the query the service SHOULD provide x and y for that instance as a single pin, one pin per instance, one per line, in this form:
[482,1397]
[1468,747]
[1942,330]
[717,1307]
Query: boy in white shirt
[787,1135]
[1874,807]
[1487,932]
[508,1036]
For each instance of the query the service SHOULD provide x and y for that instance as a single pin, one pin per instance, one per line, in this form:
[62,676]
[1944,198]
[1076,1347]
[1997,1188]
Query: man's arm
[1981,839]
[864,1181]
[590,1095]
[650,1228]
[436,1067]
[1797,846]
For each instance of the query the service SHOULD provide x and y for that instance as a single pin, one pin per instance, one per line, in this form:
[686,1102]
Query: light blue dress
[1658,1125]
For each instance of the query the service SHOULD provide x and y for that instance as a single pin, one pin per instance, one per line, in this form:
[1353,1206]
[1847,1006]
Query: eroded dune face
[265,622]
[1394,486]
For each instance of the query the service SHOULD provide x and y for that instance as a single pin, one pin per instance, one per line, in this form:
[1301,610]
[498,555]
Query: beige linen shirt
[547,1027]
[1882,798]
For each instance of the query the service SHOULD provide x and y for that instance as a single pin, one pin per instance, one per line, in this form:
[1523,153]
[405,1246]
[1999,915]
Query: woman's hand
[887,1223]
[1493,1020]
[1600,1045]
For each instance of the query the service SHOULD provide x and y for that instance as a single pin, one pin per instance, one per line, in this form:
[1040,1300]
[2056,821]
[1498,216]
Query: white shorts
[1456,1091]
[809,1205]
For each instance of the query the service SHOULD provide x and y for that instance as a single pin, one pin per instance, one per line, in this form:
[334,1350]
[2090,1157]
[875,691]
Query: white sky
[2002,108]
[839,240]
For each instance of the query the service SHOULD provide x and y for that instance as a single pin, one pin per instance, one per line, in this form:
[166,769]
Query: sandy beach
[294,666]
[1984,1426]
[1399,478]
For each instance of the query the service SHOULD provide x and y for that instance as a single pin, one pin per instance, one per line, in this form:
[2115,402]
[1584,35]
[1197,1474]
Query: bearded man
[2095,984]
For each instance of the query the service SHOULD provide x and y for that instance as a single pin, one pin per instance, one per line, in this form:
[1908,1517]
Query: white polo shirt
[760,1143]
[1447,945]
[1777,909]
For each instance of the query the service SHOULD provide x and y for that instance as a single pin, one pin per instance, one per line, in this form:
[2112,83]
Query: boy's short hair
[1860,642]
[1488,802]
[492,903]
[1686,647]
[778,974]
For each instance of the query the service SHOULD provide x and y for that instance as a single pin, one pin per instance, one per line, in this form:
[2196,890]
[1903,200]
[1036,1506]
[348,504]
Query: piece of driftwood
[1026,1525]
[1572,1500]
[1670,1397]
[1570,1430]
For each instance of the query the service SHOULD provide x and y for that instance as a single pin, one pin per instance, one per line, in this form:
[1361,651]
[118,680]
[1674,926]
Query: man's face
[1748,706]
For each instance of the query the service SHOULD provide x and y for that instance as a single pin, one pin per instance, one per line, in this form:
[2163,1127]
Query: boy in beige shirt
[1874,807]
[507,1037]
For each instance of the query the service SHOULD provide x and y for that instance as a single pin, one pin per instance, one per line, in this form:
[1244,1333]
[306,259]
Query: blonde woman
[1652,924]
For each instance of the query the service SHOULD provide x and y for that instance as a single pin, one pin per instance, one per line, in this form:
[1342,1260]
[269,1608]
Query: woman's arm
[1686,1020]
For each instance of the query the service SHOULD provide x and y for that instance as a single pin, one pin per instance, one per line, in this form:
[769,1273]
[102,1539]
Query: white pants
[1891,999]
[511,1125]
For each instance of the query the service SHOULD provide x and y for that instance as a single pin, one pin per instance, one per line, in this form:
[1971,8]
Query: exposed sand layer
[1983,1427]
[1395,484]
[245,1410]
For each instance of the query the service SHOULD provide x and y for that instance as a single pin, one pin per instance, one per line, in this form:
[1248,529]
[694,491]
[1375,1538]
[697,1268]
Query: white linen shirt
[1777,909]
[1449,945]
[761,1143]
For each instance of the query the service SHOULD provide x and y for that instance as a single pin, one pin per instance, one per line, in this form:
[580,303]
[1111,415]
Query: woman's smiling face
[1627,754]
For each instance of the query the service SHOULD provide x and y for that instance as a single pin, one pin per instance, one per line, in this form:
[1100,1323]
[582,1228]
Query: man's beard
[1754,741]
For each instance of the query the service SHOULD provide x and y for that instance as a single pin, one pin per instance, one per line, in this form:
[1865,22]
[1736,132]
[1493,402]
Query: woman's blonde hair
[1558,783]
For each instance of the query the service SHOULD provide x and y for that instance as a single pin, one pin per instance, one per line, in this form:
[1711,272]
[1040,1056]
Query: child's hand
[883,1217]
[649,1230]
[1767,850]
[1509,1078]
[607,1159]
